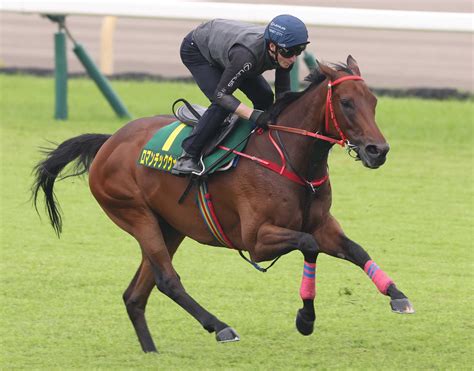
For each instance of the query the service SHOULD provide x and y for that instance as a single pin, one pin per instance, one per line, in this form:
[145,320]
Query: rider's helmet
[288,33]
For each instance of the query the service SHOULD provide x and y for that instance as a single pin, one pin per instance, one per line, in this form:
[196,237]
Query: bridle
[329,117]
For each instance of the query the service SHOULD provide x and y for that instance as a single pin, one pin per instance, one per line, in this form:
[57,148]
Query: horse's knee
[307,241]
[308,246]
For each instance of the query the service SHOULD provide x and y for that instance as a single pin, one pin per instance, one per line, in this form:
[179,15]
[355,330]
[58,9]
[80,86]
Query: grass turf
[61,299]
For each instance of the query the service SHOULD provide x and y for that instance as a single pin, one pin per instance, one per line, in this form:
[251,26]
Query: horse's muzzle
[373,155]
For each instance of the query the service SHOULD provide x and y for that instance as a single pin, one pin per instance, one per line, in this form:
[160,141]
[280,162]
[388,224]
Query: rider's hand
[261,119]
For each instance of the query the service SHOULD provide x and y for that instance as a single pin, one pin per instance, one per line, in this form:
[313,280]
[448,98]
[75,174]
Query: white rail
[260,13]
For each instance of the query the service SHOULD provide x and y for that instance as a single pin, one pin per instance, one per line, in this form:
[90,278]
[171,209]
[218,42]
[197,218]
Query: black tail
[81,150]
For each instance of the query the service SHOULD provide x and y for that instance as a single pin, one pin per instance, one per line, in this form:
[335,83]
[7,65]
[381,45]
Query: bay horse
[263,212]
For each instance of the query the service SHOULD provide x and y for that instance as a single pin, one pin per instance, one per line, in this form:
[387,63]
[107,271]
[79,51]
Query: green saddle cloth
[164,148]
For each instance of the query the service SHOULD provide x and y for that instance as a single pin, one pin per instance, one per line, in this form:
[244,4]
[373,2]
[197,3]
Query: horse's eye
[346,103]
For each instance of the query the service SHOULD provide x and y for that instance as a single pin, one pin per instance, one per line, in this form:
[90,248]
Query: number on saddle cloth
[164,148]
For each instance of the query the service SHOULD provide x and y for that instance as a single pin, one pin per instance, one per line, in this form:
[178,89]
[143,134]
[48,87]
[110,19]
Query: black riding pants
[207,77]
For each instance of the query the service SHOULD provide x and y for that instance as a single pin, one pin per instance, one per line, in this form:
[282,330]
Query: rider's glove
[261,119]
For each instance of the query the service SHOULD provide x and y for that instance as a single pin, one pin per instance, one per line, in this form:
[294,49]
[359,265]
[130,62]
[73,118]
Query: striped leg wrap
[308,282]
[378,276]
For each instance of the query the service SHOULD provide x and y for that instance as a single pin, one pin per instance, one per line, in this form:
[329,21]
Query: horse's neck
[318,162]
[307,113]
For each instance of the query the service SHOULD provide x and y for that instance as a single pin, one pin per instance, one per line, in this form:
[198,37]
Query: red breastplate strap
[280,169]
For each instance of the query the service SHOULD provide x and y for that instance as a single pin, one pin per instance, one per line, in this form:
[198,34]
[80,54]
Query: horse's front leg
[272,242]
[332,240]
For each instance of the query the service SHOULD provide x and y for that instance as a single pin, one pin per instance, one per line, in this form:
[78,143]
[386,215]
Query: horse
[276,200]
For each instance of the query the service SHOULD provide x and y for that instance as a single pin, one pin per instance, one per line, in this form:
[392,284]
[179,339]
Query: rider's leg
[207,78]
[206,127]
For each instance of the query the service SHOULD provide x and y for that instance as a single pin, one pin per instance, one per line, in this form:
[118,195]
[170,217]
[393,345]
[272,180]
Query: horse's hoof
[402,306]
[304,326]
[227,335]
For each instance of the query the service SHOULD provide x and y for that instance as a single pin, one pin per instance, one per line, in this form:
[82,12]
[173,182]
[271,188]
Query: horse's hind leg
[150,237]
[137,293]
[135,298]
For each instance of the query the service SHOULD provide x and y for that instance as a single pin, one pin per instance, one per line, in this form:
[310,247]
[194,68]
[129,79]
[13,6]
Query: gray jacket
[215,38]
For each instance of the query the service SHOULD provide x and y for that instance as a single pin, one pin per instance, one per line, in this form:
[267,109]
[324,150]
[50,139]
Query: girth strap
[210,218]
[209,215]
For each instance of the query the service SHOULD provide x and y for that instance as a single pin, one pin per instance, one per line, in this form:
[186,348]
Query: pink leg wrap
[378,276]
[308,282]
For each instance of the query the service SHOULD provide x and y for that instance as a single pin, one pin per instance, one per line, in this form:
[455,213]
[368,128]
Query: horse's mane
[315,78]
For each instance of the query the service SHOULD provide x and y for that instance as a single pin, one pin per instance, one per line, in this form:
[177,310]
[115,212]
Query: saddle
[164,148]
[190,114]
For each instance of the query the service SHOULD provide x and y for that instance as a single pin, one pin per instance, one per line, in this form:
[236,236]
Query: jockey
[225,55]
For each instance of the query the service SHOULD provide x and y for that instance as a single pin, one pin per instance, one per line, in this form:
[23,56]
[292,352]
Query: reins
[329,117]
[279,169]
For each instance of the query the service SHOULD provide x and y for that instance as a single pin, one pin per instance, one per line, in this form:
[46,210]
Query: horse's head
[350,114]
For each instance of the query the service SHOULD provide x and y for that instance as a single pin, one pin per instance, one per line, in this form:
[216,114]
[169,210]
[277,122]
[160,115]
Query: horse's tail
[81,150]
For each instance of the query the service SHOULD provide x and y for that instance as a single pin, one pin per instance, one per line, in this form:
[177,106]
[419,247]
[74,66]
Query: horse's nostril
[372,150]
[376,151]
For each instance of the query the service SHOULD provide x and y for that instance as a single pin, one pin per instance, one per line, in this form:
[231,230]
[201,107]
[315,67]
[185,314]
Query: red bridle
[329,116]
[281,169]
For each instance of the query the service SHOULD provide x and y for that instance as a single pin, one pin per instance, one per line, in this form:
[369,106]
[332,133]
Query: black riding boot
[187,164]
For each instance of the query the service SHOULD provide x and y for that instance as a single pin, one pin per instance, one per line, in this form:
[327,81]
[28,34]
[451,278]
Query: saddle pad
[164,148]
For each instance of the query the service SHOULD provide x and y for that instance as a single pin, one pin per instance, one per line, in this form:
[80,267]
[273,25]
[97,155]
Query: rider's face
[285,62]
[282,61]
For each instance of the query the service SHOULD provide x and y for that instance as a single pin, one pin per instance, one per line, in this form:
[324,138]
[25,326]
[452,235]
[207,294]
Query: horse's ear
[328,71]
[352,64]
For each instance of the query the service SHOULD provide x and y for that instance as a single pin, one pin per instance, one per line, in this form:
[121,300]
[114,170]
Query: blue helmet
[286,31]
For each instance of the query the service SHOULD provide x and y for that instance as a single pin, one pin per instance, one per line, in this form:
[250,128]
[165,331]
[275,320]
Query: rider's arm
[242,63]
[282,81]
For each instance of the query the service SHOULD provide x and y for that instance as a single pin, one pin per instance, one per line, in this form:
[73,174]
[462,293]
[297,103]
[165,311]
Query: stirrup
[185,156]
[201,161]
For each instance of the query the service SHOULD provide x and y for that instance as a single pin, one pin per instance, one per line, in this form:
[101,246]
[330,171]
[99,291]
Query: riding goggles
[290,52]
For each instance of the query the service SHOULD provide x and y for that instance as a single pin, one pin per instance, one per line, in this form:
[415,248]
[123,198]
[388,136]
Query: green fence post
[100,80]
[294,76]
[309,60]
[60,70]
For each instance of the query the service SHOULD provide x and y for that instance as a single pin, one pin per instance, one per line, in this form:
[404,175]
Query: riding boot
[192,146]
[187,164]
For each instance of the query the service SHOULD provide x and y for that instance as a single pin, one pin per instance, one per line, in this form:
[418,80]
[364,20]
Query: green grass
[61,299]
